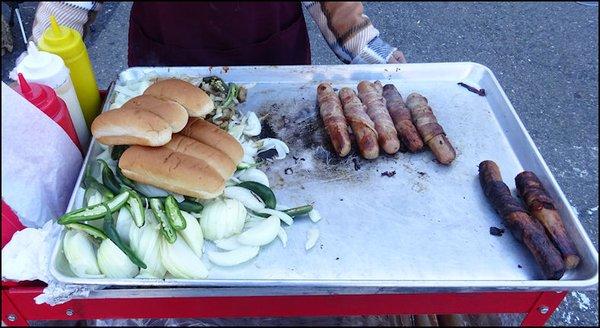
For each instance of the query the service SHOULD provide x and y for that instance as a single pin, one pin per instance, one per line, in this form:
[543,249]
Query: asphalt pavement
[543,54]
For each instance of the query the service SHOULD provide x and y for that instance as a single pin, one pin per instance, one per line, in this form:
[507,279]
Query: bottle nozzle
[54,25]
[32,48]
[25,88]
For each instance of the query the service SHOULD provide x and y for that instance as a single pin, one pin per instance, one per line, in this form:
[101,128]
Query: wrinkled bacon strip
[522,226]
[429,129]
[377,111]
[402,119]
[331,112]
[362,126]
[541,207]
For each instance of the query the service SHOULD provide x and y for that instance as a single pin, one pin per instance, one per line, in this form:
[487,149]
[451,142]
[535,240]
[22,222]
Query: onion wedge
[261,234]
[311,240]
[228,244]
[234,257]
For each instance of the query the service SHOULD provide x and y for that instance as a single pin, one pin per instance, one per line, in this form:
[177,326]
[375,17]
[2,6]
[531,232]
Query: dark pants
[217,34]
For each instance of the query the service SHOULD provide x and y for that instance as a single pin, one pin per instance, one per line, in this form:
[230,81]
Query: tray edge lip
[583,284]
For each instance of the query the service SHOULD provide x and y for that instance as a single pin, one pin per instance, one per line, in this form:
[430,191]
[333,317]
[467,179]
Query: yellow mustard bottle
[68,44]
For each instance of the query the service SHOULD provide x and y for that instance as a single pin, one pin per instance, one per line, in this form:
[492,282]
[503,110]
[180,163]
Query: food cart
[413,242]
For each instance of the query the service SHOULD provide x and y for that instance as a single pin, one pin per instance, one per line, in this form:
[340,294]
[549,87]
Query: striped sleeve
[349,32]
[75,15]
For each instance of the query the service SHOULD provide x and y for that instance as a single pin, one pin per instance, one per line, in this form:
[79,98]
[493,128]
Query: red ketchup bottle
[45,98]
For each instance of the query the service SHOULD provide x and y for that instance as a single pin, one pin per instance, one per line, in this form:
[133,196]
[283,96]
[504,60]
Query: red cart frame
[18,305]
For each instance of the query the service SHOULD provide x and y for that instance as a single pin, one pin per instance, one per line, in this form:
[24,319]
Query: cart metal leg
[18,306]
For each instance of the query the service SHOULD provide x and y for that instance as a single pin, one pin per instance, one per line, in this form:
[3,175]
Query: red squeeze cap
[41,96]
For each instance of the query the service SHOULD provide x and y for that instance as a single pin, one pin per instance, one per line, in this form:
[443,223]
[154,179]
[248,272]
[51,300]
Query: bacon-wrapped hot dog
[331,112]
[541,206]
[521,225]
[401,117]
[377,111]
[431,132]
[363,127]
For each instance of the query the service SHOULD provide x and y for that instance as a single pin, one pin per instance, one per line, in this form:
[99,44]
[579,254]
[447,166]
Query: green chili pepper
[174,214]
[91,230]
[111,233]
[243,166]
[263,192]
[108,177]
[297,211]
[90,182]
[190,206]
[165,227]
[231,94]
[117,151]
[136,206]
[126,181]
[215,83]
[96,211]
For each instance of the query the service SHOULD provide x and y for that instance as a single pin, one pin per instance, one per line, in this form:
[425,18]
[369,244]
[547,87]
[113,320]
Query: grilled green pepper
[111,233]
[108,177]
[92,231]
[165,227]
[96,211]
[190,206]
[136,206]
[89,182]
[174,214]
[263,192]
[297,211]
[231,95]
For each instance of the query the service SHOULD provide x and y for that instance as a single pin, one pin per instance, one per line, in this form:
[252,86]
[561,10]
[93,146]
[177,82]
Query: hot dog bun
[168,110]
[131,126]
[210,134]
[173,171]
[193,99]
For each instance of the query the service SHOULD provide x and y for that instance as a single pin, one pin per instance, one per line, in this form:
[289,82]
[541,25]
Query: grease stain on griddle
[388,174]
[288,171]
[496,231]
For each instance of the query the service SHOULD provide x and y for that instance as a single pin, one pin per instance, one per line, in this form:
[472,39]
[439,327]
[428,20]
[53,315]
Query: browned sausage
[362,126]
[401,117]
[521,225]
[386,132]
[331,112]
[431,132]
[541,206]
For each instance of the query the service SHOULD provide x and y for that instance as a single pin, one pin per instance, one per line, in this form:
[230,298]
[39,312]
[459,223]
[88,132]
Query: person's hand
[397,58]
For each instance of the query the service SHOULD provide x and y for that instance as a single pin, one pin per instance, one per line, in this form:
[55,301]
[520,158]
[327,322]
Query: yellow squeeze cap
[61,40]
[54,24]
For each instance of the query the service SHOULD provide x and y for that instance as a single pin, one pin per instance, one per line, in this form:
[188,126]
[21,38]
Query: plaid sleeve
[75,15]
[349,32]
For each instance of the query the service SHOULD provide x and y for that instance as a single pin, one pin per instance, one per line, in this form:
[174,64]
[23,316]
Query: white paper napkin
[40,164]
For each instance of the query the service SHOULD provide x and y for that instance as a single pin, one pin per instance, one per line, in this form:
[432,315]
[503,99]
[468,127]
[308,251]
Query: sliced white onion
[261,234]
[272,143]
[253,174]
[281,215]
[95,199]
[151,191]
[245,196]
[228,244]
[282,235]
[314,215]
[124,222]
[236,130]
[253,127]
[250,150]
[234,257]
[311,240]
